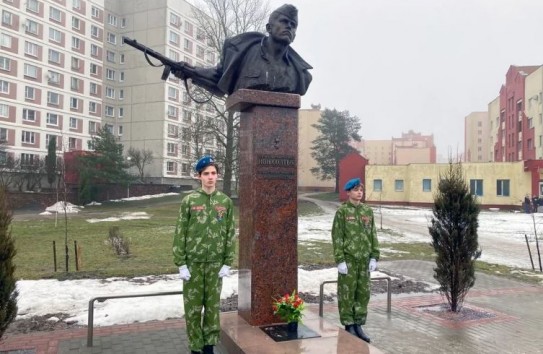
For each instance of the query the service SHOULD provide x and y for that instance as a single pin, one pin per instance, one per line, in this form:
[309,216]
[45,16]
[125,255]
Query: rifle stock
[178,68]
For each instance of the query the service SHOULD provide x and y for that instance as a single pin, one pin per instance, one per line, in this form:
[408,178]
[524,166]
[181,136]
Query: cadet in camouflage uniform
[356,251]
[203,249]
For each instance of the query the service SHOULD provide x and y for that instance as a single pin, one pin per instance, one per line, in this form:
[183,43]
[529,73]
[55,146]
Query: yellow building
[477,137]
[501,184]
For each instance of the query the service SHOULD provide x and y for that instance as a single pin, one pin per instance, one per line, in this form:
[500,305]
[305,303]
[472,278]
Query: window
[31,71]
[72,143]
[476,187]
[426,185]
[200,52]
[95,31]
[48,138]
[55,35]
[110,74]
[30,93]
[92,127]
[111,38]
[33,5]
[53,77]
[185,150]
[120,130]
[174,37]
[52,119]
[110,56]
[53,98]
[170,166]
[186,98]
[187,116]
[398,185]
[4,86]
[172,111]
[54,56]
[95,12]
[121,94]
[93,88]
[93,107]
[123,22]
[185,168]
[4,110]
[73,123]
[171,148]
[5,63]
[377,185]
[29,115]
[188,28]
[188,45]
[3,134]
[200,34]
[94,50]
[5,40]
[28,137]
[74,103]
[55,14]
[31,49]
[172,93]
[502,187]
[76,23]
[76,43]
[75,63]
[174,19]
[94,69]
[121,58]
[7,18]
[121,112]
[110,92]
[172,130]
[112,20]
[28,159]
[31,27]
[109,111]
[74,84]
[121,76]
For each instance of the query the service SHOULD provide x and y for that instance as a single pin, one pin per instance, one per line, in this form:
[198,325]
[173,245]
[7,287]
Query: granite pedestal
[268,222]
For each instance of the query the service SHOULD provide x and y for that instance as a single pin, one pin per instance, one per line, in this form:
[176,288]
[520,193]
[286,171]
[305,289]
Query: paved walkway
[509,320]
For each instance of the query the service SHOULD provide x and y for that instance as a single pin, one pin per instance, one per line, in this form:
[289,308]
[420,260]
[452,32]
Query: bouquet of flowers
[289,307]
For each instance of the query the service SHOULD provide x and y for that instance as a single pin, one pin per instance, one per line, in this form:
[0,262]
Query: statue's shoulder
[245,39]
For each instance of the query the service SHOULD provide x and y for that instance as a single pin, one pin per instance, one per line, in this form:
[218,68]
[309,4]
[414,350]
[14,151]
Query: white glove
[224,272]
[373,265]
[184,273]
[342,268]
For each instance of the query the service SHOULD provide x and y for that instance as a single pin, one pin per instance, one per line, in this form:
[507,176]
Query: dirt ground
[56,321]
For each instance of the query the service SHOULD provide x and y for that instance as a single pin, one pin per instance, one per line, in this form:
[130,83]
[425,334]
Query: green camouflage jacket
[205,229]
[353,233]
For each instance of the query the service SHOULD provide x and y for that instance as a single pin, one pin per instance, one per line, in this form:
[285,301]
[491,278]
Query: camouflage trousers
[202,291]
[353,290]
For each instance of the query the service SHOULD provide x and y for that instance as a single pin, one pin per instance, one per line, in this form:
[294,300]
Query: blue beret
[203,163]
[352,183]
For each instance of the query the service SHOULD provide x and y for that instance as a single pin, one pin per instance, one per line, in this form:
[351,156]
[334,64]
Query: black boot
[360,333]
[351,330]
[208,349]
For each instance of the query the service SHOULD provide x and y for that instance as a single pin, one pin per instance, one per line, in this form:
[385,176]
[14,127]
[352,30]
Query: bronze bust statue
[255,61]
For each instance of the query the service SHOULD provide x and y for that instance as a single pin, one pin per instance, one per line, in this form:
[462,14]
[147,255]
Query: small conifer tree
[454,236]
[8,292]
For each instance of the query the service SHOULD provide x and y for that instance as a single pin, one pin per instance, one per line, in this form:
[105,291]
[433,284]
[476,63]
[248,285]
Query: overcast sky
[414,64]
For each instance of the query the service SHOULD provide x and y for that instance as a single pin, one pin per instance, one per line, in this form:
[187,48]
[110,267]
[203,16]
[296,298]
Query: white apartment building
[64,73]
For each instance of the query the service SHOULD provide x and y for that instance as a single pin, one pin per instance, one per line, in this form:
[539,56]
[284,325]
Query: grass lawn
[151,240]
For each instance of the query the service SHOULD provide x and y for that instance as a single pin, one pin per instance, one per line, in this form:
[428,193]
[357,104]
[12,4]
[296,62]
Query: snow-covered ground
[501,235]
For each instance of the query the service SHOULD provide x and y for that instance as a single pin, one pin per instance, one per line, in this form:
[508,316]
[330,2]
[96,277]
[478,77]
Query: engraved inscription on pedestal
[276,167]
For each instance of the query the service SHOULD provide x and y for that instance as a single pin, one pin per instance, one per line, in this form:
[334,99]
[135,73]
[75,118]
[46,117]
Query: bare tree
[140,158]
[218,20]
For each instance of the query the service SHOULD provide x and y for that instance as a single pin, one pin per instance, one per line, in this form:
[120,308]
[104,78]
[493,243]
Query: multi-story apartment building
[411,147]
[515,136]
[50,75]
[64,73]
[476,137]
